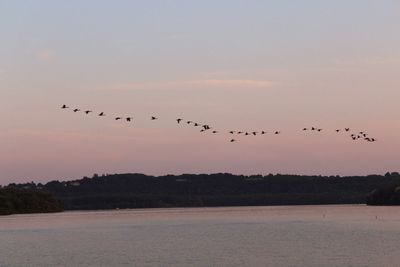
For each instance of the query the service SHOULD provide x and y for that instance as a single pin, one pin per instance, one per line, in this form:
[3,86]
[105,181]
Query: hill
[222,189]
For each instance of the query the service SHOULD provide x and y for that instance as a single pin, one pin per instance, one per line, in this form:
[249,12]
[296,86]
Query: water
[345,235]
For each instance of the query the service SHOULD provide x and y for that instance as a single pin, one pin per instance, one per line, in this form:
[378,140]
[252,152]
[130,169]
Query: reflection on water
[347,235]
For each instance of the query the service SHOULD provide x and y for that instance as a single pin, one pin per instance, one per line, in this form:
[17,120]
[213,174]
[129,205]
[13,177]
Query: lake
[326,235]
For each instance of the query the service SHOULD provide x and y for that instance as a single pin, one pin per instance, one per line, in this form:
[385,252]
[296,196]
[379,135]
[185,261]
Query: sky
[235,65]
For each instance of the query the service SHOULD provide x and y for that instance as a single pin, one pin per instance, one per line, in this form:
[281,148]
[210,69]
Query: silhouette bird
[153,118]
[232,132]
[196,124]
[313,129]
[246,133]
[232,140]
[76,110]
[263,132]
[347,129]
[305,129]
[189,122]
[179,120]
[277,132]
[319,130]
[337,130]
[118,118]
[87,111]
[129,119]
[254,133]
[214,132]
[239,132]
[102,114]
[202,130]
[64,106]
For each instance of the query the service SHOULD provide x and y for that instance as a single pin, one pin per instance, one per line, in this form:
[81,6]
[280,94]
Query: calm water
[246,236]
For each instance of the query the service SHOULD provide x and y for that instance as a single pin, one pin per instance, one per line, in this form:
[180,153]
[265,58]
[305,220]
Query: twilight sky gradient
[234,64]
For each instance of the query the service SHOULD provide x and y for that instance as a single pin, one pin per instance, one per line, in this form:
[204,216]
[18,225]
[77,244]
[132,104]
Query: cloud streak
[190,84]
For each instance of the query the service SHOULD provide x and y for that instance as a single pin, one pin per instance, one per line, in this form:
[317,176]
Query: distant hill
[222,189]
[14,200]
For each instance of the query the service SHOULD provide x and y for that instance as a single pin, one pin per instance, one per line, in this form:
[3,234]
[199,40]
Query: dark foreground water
[345,235]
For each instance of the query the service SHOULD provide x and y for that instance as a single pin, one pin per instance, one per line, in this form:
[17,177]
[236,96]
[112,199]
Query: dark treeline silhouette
[386,195]
[222,189]
[16,200]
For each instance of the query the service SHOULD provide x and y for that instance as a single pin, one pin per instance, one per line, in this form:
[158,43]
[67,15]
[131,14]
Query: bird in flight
[196,124]
[76,110]
[129,119]
[179,120]
[214,132]
[305,129]
[263,132]
[277,132]
[64,106]
[87,111]
[232,132]
[153,118]
[118,118]
[337,130]
[254,133]
[232,140]
[189,122]
[102,114]
[347,129]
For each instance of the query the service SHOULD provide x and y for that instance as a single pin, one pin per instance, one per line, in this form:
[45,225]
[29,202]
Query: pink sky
[257,67]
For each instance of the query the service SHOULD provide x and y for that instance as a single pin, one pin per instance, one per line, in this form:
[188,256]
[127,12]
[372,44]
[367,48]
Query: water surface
[331,235]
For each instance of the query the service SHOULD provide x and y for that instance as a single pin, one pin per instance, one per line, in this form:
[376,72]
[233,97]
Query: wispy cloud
[191,84]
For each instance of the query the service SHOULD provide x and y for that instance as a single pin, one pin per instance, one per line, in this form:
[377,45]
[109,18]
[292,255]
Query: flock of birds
[362,135]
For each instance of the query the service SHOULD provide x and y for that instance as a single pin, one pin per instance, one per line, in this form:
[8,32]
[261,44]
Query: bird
[76,110]
[232,132]
[196,124]
[239,132]
[254,133]
[277,132]
[179,120]
[118,118]
[263,132]
[232,140]
[206,127]
[246,133]
[189,122]
[337,130]
[313,129]
[214,132]
[153,118]
[102,114]
[347,129]
[129,119]
[305,129]
[202,130]
[319,130]
[64,106]
[87,111]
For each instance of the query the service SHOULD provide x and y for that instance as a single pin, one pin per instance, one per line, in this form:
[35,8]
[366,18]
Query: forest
[14,200]
[113,191]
